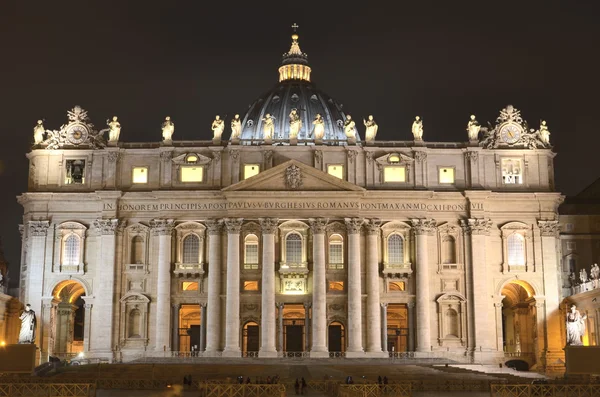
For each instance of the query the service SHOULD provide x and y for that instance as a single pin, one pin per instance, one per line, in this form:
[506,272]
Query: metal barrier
[554,390]
[47,390]
[373,390]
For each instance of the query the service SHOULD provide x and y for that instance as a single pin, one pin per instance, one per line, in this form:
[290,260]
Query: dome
[295,91]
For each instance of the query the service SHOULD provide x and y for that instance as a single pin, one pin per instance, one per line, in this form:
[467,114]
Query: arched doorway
[336,337]
[397,327]
[519,320]
[190,321]
[67,319]
[250,339]
[294,316]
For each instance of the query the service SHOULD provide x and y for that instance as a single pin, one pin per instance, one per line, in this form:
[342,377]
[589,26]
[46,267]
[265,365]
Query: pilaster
[162,229]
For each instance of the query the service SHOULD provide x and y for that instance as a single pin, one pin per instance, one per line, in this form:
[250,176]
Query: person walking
[297,386]
[303,386]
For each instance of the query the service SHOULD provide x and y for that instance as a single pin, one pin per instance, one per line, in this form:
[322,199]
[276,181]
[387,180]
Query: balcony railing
[189,269]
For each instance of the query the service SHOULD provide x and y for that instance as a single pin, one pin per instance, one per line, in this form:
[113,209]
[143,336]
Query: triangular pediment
[293,176]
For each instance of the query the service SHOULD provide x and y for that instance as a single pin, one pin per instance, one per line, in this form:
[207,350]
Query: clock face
[77,134]
[510,133]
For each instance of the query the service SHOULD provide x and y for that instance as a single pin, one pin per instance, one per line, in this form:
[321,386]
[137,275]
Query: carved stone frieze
[353,225]
[268,156]
[166,156]
[420,157]
[472,156]
[268,225]
[318,156]
[423,226]
[233,225]
[106,226]
[162,227]
[318,225]
[234,154]
[113,157]
[549,228]
[336,307]
[293,177]
[477,226]
[351,156]
[250,307]
[38,228]
[216,156]
[369,156]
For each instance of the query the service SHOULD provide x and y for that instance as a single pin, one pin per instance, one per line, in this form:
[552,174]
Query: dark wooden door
[335,338]
[293,340]
[252,335]
[195,336]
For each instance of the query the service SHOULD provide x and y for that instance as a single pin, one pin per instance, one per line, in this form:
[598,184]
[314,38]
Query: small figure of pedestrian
[385,380]
[297,386]
[248,380]
[303,386]
[379,380]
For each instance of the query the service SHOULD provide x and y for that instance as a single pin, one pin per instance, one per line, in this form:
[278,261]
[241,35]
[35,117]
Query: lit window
[250,170]
[512,171]
[293,249]
[191,174]
[191,158]
[75,172]
[394,174]
[396,286]
[336,286]
[516,250]
[393,158]
[446,175]
[71,251]
[336,249]
[251,251]
[191,249]
[190,286]
[395,246]
[140,175]
[448,250]
[250,285]
[336,170]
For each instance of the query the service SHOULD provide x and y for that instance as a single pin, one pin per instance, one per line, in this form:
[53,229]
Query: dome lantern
[294,65]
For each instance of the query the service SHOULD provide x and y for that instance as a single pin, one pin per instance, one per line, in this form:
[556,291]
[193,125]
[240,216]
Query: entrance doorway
[68,319]
[294,337]
[519,318]
[397,327]
[250,339]
[190,321]
[336,337]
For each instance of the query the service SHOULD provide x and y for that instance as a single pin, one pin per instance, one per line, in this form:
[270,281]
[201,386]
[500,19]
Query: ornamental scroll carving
[478,226]
[472,156]
[318,225]
[214,226]
[268,156]
[268,225]
[113,157]
[162,227]
[293,177]
[369,156]
[351,156]
[318,156]
[38,228]
[373,225]
[106,226]
[353,225]
[234,154]
[420,156]
[166,156]
[233,225]
[548,228]
[424,226]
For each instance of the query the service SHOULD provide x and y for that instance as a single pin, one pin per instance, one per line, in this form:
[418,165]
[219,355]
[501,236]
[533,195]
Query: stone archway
[519,321]
[67,319]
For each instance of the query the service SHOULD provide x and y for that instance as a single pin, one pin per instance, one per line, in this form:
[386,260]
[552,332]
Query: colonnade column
[481,307]
[373,309]
[280,321]
[162,228]
[105,290]
[267,318]
[423,228]
[384,327]
[355,349]
[319,302]
[232,302]
[213,317]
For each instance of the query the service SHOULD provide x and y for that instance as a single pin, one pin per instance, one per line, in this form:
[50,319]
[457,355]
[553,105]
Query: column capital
[162,227]
[268,225]
[233,225]
[307,305]
[203,305]
[373,225]
[423,226]
[38,228]
[353,225]
[176,305]
[106,226]
[279,305]
[214,226]
[477,226]
[410,305]
[548,228]
[318,225]
[384,305]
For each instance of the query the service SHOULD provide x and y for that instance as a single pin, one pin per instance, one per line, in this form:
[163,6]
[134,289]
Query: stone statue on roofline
[473,128]
[319,127]
[350,129]
[218,126]
[236,128]
[28,324]
[371,129]
[544,132]
[114,130]
[38,132]
[575,327]
[268,127]
[417,129]
[295,124]
[168,127]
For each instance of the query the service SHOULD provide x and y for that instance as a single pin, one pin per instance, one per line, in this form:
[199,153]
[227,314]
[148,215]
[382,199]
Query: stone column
[411,326]
[202,327]
[354,334]
[422,229]
[384,327]
[87,319]
[175,317]
[267,319]
[232,302]
[36,238]
[373,299]
[319,292]
[280,320]
[102,330]
[213,318]
[481,306]
[551,309]
[307,306]
[162,228]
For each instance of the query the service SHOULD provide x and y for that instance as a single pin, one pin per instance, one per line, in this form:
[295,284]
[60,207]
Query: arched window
[293,249]
[71,251]
[135,319]
[448,250]
[516,250]
[191,249]
[395,249]
[251,249]
[137,250]
[336,249]
[451,323]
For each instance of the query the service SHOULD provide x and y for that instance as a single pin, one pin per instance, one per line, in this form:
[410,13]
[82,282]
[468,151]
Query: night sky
[191,60]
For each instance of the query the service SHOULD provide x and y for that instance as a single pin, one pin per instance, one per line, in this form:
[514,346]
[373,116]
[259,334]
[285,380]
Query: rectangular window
[336,286]
[75,172]
[446,175]
[251,253]
[189,286]
[250,285]
[140,174]
[251,170]
[394,174]
[192,173]
[336,170]
[512,171]
[395,286]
